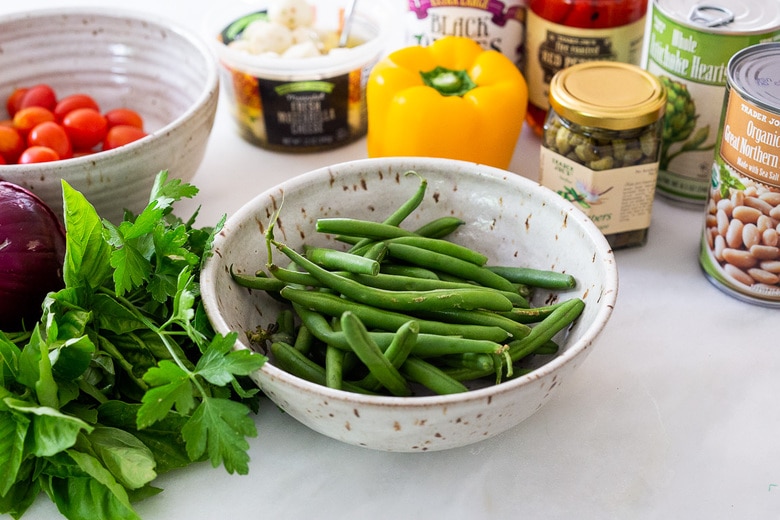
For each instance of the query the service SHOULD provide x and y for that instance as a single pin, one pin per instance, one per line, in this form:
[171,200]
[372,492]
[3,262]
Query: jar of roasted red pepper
[560,33]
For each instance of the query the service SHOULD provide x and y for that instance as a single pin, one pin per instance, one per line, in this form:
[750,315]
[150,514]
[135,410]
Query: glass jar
[561,33]
[601,145]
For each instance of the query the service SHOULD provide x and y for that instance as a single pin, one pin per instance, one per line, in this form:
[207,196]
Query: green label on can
[692,65]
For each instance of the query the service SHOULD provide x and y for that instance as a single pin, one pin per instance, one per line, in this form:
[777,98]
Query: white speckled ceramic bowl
[123,59]
[508,217]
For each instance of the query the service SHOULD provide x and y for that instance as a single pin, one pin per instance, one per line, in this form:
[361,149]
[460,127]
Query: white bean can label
[741,247]
[493,24]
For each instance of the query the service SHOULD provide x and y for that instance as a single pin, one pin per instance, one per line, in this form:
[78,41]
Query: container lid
[753,72]
[607,94]
[724,16]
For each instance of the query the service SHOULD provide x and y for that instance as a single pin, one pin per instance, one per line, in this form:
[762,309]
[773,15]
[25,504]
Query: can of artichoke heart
[689,45]
[740,247]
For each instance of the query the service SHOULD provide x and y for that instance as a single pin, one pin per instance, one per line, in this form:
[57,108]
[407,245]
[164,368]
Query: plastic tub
[302,104]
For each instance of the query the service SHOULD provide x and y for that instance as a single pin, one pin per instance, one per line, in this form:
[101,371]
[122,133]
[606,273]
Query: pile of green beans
[403,313]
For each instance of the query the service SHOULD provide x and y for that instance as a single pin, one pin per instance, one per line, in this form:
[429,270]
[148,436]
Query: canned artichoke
[689,45]
[601,145]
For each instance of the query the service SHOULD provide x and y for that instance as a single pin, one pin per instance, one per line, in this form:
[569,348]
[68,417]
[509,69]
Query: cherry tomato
[124,116]
[121,135]
[2,161]
[14,100]
[39,96]
[38,154]
[11,144]
[86,127]
[72,102]
[53,136]
[26,118]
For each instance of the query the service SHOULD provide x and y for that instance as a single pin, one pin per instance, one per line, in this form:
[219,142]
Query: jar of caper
[601,145]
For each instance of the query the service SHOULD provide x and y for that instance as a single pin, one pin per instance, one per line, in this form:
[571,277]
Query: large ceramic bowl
[511,219]
[122,59]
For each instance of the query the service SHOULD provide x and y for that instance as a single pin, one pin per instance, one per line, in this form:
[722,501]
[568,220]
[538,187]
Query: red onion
[32,251]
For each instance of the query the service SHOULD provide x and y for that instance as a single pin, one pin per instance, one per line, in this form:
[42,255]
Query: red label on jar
[551,47]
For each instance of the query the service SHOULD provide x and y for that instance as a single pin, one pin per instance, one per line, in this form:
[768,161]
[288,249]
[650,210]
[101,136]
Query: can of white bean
[689,45]
[740,247]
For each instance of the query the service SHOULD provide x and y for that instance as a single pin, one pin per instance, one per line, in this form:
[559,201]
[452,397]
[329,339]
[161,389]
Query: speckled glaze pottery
[123,59]
[508,217]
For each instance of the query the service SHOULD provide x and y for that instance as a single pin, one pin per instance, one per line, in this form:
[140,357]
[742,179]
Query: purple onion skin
[32,251]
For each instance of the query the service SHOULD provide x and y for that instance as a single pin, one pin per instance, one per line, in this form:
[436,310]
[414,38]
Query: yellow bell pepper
[450,99]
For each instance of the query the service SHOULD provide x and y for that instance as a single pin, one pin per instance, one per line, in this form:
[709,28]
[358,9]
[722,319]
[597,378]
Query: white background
[675,414]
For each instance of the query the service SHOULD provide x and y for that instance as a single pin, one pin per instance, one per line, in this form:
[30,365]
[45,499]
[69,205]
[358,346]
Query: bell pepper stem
[448,82]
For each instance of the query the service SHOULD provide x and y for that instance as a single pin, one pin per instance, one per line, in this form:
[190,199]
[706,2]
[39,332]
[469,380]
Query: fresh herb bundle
[123,377]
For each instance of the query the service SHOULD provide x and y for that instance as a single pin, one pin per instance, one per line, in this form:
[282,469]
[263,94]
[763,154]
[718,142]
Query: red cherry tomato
[12,104]
[121,135]
[2,161]
[38,154]
[27,118]
[39,96]
[72,102]
[11,144]
[53,136]
[124,116]
[86,128]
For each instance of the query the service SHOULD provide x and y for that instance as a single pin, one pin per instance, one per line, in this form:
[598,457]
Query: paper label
[750,140]
[551,47]
[616,200]
[494,25]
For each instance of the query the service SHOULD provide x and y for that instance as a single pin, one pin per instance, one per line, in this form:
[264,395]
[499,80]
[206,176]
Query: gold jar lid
[607,94]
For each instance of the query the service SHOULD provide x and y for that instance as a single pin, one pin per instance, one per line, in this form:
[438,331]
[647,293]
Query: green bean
[360,228]
[340,260]
[541,278]
[303,340]
[411,283]
[405,209]
[516,329]
[431,377]
[407,270]
[444,247]
[563,316]
[448,264]
[439,227]
[285,323]
[469,360]
[530,315]
[548,349]
[378,231]
[261,283]
[369,353]
[288,276]
[333,305]
[297,364]
[400,347]
[375,251]
[334,366]
[426,346]
[436,299]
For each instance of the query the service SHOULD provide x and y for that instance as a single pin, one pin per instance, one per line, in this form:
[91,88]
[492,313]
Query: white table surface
[675,413]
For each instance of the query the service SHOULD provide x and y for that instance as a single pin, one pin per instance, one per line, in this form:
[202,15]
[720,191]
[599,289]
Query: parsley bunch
[123,377]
